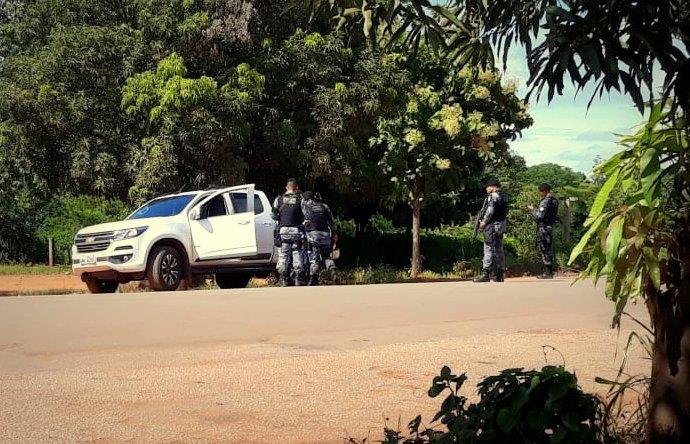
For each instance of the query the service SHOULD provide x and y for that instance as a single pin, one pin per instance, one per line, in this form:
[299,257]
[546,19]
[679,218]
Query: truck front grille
[92,242]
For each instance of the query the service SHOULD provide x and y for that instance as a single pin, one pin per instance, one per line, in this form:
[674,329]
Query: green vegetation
[545,406]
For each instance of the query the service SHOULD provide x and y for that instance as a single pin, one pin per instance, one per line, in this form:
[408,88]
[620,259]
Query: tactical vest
[550,210]
[500,208]
[290,210]
[317,214]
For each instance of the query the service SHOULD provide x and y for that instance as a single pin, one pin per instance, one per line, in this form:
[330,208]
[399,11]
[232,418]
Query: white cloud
[565,131]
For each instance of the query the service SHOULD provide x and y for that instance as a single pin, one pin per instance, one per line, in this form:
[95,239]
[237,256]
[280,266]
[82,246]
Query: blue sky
[564,131]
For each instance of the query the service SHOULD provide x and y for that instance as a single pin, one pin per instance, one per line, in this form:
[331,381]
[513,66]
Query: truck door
[218,232]
[265,224]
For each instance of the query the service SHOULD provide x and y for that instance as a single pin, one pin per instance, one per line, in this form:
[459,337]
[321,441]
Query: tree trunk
[416,222]
[669,310]
[669,395]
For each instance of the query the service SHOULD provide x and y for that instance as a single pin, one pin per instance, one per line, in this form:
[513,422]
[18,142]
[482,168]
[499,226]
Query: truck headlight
[128,233]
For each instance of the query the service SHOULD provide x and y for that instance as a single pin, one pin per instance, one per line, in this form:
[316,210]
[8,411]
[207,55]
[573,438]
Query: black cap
[492,182]
[308,195]
[544,187]
[292,181]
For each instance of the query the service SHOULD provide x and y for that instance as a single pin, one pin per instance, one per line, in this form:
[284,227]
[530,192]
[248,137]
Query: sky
[564,131]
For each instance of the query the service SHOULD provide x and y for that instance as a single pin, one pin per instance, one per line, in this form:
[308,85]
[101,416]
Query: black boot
[547,273]
[484,277]
[313,280]
[285,280]
[499,276]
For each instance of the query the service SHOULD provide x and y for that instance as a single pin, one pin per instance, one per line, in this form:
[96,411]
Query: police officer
[321,232]
[287,210]
[493,225]
[545,215]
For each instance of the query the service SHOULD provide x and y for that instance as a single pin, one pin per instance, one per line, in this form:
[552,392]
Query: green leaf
[652,263]
[613,240]
[585,239]
[445,372]
[506,420]
[602,197]
[558,390]
[436,390]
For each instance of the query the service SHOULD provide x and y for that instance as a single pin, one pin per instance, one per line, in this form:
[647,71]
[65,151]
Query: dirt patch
[42,284]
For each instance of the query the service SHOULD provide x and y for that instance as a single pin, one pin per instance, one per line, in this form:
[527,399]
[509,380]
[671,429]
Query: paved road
[277,365]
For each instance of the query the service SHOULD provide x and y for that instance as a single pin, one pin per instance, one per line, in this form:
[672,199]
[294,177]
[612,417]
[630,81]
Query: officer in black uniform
[493,225]
[321,233]
[287,210]
[545,215]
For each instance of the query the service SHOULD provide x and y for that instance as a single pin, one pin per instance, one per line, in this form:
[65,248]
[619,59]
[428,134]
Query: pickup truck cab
[226,232]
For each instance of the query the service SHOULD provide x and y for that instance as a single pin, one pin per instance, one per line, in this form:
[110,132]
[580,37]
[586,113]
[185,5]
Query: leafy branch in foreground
[639,238]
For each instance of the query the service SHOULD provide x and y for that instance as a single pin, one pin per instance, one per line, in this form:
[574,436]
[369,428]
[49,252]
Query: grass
[20,269]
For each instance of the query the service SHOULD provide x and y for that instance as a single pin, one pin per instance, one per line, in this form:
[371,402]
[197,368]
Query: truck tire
[165,269]
[232,280]
[96,286]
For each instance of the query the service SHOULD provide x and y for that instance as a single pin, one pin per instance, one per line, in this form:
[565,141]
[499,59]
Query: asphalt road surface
[280,365]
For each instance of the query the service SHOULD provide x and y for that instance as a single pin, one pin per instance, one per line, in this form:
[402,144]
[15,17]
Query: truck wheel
[164,269]
[96,286]
[232,280]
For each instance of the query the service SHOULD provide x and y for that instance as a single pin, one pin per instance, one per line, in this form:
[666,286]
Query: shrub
[442,249]
[545,406]
[66,215]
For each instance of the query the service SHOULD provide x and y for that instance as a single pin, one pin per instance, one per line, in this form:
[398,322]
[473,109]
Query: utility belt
[292,231]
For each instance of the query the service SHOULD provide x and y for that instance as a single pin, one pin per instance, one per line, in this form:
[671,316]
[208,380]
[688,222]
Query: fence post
[50,251]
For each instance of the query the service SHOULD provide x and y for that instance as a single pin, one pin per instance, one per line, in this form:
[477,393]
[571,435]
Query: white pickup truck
[226,232]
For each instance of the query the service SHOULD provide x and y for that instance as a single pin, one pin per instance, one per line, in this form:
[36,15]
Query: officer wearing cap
[545,215]
[493,225]
[287,210]
[321,233]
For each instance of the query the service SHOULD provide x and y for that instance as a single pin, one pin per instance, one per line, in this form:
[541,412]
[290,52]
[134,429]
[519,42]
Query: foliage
[192,126]
[322,103]
[632,244]
[394,249]
[448,129]
[66,215]
[387,23]
[545,406]
[609,42]
[557,176]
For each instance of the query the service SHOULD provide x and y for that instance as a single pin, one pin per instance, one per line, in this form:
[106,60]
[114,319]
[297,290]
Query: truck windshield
[164,207]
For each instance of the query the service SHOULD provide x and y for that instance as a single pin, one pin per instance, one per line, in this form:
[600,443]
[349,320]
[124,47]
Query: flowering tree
[446,134]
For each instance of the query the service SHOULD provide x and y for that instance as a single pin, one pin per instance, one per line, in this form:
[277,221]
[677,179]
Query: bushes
[444,249]
[545,406]
[65,215]
[440,251]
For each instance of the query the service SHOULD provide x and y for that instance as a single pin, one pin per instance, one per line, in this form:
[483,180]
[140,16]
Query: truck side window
[239,203]
[214,207]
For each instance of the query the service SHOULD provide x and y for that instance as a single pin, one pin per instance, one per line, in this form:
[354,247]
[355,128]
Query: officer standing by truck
[287,210]
[493,224]
[321,233]
[545,215]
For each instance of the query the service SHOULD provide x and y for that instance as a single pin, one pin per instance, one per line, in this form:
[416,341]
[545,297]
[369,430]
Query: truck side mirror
[195,214]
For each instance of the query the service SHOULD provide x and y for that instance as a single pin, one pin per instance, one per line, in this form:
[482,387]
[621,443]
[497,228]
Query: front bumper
[120,258]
